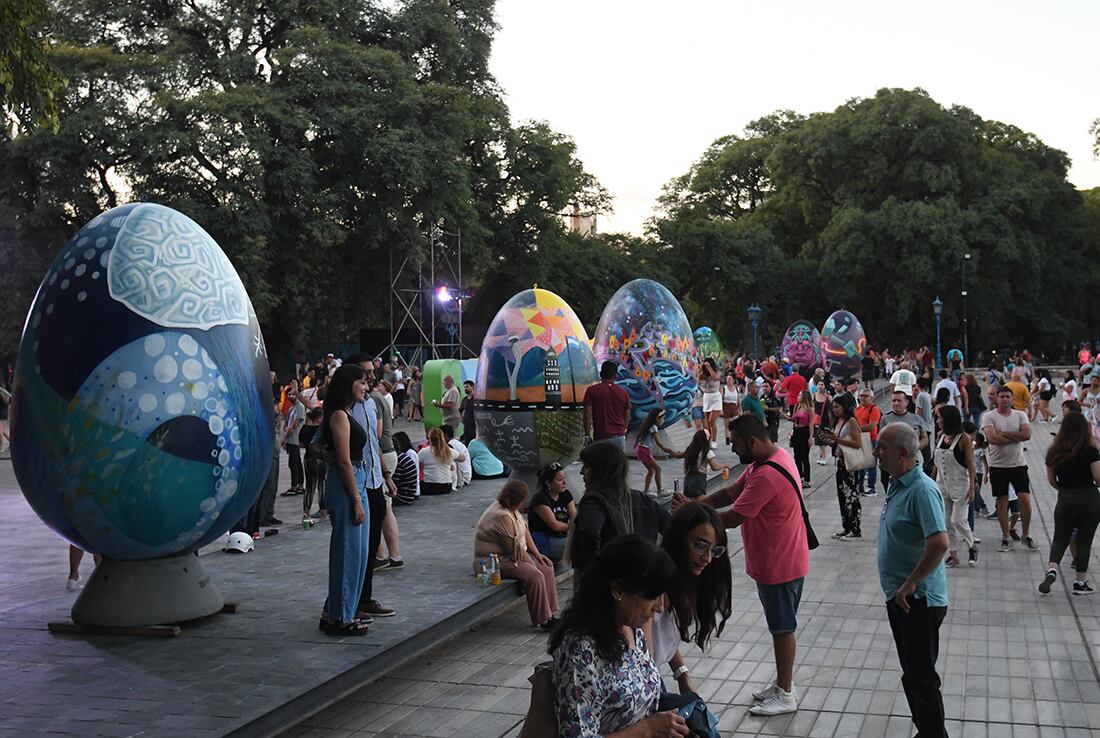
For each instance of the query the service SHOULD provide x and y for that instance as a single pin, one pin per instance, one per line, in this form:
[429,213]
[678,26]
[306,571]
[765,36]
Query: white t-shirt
[1069,389]
[702,465]
[294,419]
[951,387]
[903,381]
[435,471]
[666,636]
[890,365]
[730,395]
[1005,455]
[399,379]
[465,468]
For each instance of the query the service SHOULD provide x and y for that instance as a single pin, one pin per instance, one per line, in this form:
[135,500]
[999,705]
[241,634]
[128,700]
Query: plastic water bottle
[495,572]
[482,572]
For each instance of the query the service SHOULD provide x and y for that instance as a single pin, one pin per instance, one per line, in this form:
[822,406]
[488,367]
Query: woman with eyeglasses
[701,592]
[550,512]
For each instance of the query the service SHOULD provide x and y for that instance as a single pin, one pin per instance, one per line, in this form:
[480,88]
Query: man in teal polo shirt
[912,541]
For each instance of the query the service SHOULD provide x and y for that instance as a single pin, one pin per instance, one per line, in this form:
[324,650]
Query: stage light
[443,294]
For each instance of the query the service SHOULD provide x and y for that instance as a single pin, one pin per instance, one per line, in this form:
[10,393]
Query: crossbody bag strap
[790,479]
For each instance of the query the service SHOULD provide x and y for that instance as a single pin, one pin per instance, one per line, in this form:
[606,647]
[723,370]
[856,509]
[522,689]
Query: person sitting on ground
[407,475]
[605,680]
[698,457]
[464,470]
[695,540]
[484,464]
[502,530]
[551,512]
[436,462]
[610,508]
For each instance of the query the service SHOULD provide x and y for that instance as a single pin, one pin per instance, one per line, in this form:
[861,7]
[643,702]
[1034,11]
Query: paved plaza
[1014,663]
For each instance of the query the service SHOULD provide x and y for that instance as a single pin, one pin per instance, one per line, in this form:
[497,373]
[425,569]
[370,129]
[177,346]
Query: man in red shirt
[793,386]
[868,417]
[606,408]
[765,502]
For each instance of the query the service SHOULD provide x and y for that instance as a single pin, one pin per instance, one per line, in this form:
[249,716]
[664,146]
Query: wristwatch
[680,672]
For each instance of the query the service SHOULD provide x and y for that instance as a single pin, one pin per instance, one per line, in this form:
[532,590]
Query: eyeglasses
[703,546]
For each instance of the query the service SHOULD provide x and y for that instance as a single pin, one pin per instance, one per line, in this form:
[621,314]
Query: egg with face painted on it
[142,421]
[645,331]
[842,344]
[802,345]
[535,366]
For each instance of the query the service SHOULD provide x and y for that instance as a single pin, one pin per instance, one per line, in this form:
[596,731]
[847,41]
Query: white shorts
[712,402]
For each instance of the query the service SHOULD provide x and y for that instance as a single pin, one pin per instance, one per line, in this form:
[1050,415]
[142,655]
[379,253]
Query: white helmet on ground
[239,542]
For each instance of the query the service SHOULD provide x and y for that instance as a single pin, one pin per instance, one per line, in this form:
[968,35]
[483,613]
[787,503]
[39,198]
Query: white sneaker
[714,444]
[778,703]
[73,585]
[764,693]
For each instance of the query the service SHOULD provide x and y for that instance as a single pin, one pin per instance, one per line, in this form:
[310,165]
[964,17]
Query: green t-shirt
[753,405]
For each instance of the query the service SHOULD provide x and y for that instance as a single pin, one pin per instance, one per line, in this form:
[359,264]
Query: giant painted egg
[534,368]
[707,344]
[842,344]
[142,416]
[802,345]
[644,329]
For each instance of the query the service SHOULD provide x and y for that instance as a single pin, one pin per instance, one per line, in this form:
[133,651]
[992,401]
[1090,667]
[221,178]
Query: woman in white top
[731,403]
[699,595]
[436,462]
[1069,386]
[710,384]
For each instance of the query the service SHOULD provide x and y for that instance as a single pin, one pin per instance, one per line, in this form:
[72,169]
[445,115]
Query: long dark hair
[1073,438]
[339,395]
[698,600]
[951,420]
[696,452]
[637,567]
[649,421]
[401,442]
[607,475]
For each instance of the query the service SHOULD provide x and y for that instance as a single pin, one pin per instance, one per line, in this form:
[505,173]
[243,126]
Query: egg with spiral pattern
[644,329]
[142,416]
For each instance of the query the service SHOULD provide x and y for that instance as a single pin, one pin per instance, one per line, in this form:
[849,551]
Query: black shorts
[1047,395]
[1001,478]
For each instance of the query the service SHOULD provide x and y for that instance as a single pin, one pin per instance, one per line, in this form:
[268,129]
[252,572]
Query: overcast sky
[644,87]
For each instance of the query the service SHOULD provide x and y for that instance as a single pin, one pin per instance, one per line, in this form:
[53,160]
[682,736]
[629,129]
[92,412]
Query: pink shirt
[773,532]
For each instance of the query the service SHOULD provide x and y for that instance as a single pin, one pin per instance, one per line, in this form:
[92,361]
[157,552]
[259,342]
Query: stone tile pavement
[1013,663]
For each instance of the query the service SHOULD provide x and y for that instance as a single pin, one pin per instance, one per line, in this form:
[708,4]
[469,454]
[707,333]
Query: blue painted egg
[644,329]
[842,344]
[534,368]
[142,416]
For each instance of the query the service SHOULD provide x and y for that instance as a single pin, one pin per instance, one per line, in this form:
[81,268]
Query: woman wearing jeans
[954,473]
[346,495]
[1073,468]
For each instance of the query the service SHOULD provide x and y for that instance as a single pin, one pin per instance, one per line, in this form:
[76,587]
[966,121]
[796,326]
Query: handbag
[701,722]
[541,720]
[811,537]
[858,458]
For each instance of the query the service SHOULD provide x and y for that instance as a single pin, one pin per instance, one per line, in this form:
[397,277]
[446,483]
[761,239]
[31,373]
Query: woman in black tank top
[346,499]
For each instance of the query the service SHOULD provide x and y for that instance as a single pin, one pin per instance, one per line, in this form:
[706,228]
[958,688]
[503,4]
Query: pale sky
[644,87]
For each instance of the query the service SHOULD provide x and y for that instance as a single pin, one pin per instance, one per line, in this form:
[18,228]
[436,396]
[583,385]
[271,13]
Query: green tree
[29,81]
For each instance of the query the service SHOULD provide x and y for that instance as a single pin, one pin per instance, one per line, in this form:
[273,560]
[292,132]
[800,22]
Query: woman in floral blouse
[605,681]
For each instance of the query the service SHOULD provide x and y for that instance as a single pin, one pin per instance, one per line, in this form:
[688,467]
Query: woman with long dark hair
[551,511]
[605,680]
[346,498]
[700,596]
[846,432]
[803,421]
[710,384]
[609,507]
[975,403]
[955,475]
[407,475]
[1073,468]
[698,457]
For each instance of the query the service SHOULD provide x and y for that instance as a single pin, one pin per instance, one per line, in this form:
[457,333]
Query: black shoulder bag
[811,537]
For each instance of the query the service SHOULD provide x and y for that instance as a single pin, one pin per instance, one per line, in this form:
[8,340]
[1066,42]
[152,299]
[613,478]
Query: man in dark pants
[912,541]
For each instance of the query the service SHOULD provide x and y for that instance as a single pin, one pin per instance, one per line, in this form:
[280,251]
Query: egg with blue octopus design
[142,417]
[644,329]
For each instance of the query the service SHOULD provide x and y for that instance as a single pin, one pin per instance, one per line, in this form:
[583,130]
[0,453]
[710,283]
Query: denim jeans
[348,546]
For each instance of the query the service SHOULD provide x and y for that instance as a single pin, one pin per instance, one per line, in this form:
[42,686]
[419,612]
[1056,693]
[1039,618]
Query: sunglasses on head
[555,467]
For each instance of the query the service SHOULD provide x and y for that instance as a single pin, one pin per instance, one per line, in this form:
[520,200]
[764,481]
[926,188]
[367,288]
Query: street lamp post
[937,308]
[755,311]
[966,322]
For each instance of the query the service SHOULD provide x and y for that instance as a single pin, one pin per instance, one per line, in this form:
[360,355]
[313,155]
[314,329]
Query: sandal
[354,628]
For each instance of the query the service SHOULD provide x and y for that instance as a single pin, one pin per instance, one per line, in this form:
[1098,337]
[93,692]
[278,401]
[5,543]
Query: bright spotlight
[443,294]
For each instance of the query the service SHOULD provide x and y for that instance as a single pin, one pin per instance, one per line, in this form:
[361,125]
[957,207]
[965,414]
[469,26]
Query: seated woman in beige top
[502,530]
